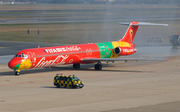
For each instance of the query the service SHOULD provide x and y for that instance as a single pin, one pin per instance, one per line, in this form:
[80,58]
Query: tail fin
[132,29]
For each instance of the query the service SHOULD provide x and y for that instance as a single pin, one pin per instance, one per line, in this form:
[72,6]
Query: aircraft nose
[11,64]
[14,64]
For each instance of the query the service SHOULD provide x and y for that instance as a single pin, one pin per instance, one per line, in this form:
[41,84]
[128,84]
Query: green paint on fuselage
[105,49]
[16,67]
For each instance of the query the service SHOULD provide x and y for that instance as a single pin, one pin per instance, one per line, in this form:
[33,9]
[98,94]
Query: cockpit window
[17,55]
[22,55]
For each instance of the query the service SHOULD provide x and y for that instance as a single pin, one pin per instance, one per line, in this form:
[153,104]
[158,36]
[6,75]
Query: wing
[119,59]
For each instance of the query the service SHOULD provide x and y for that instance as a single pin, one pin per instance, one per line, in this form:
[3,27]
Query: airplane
[80,53]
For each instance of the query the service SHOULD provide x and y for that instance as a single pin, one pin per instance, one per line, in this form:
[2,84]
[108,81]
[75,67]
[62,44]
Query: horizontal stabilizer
[142,24]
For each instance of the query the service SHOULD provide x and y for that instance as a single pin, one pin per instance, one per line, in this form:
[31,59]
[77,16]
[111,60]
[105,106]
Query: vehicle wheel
[76,66]
[58,86]
[74,86]
[17,73]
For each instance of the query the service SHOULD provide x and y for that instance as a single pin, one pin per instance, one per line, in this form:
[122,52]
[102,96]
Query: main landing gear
[17,72]
[98,66]
[76,66]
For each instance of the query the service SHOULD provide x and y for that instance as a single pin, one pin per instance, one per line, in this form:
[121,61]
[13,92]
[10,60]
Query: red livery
[78,54]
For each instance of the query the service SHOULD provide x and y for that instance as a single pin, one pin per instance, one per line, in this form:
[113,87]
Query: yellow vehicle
[67,81]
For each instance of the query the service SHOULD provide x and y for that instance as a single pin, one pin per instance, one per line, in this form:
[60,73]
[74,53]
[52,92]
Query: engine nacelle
[117,50]
[124,51]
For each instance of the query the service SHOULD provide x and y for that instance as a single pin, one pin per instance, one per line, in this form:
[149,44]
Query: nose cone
[14,63]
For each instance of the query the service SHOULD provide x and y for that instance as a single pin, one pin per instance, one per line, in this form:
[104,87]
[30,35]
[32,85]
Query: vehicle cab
[67,81]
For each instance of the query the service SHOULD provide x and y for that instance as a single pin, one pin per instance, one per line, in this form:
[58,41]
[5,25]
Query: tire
[17,73]
[81,86]
[74,86]
[58,86]
[76,66]
[98,67]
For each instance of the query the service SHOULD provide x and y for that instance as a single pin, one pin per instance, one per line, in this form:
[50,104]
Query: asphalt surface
[143,86]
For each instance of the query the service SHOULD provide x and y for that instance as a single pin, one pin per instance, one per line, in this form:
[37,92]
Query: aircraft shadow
[62,68]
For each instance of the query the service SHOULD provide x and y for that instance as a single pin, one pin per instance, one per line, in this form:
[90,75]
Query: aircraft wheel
[17,73]
[76,66]
[98,67]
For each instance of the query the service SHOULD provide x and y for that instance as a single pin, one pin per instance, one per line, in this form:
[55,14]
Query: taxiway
[126,87]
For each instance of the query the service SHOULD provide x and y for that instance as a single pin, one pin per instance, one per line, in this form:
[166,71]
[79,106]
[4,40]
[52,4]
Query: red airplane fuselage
[71,54]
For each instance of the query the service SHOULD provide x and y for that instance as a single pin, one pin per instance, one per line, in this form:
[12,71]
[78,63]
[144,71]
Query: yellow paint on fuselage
[118,44]
[25,64]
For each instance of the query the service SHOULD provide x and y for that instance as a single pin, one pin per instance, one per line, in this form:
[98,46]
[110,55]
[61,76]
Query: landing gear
[98,66]
[76,66]
[17,72]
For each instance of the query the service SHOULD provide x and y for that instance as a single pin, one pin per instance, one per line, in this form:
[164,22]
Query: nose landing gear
[17,72]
